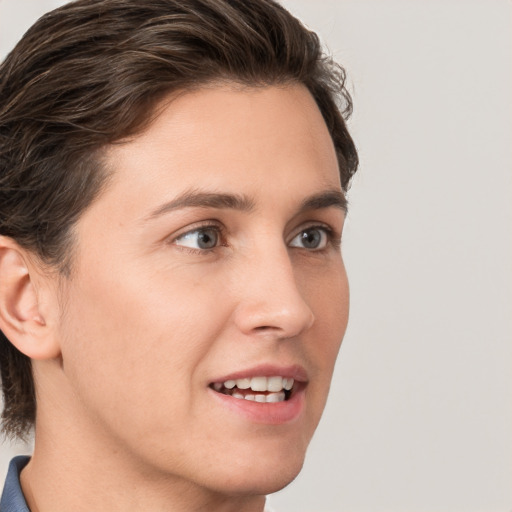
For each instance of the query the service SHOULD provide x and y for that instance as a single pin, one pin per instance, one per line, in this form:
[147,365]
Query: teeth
[270,398]
[243,383]
[288,383]
[275,397]
[274,384]
[259,384]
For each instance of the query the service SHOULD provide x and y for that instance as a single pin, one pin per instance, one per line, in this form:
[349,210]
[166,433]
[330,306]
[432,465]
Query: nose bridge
[271,302]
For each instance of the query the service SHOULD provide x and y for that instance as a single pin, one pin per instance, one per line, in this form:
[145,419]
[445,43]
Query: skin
[148,319]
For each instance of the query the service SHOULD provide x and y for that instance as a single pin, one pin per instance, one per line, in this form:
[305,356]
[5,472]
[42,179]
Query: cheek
[328,296]
[128,338]
[329,300]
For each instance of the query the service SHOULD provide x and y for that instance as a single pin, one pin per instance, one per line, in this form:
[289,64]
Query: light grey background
[420,413]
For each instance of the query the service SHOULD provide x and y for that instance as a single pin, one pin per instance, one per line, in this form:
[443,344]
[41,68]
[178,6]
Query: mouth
[265,394]
[260,389]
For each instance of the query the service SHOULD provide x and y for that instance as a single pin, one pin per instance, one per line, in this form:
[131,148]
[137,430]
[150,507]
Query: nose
[271,302]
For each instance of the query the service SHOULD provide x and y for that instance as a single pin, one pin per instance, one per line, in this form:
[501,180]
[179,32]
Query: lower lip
[276,413]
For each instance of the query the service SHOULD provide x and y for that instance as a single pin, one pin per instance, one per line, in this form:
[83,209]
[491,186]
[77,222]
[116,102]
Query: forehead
[218,130]
[269,144]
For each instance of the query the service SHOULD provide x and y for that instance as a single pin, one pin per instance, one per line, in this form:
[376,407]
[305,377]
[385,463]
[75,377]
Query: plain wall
[420,413]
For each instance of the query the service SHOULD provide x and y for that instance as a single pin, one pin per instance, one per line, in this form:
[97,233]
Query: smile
[266,394]
[257,389]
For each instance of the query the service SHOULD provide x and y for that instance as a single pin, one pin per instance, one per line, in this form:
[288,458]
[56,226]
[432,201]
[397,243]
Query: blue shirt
[12,498]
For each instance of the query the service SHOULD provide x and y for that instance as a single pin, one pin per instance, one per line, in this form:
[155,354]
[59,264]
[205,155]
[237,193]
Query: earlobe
[21,318]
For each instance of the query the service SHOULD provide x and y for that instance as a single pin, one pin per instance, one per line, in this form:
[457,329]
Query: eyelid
[311,224]
[333,236]
[208,224]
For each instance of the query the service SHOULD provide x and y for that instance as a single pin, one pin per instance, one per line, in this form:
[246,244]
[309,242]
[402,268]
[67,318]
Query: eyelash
[219,228]
[333,239]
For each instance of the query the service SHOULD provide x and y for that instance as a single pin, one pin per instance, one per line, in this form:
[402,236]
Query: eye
[313,238]
[201,238]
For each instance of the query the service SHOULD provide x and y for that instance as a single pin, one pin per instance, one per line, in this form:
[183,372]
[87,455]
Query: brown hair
[89,74]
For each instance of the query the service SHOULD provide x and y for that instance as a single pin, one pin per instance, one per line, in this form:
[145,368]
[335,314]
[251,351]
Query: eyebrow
[197,199]
[326,199]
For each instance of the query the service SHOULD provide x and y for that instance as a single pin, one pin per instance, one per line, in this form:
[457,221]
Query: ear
[21,308]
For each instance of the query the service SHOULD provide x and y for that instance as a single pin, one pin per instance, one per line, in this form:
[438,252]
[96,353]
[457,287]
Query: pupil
[207,239]
[311,238]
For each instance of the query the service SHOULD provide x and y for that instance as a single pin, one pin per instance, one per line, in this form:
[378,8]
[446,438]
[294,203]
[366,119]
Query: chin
[260,485]
[279,481]
[261,477]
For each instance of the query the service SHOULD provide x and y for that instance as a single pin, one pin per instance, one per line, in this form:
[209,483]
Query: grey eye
[311,238]
[202,238]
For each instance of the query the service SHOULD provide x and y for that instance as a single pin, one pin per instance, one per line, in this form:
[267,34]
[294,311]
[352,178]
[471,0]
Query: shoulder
[12,499]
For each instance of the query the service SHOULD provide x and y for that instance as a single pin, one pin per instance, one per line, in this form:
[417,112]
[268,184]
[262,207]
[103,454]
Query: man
[172,292]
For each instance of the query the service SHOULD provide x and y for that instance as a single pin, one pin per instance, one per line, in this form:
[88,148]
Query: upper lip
[296,372]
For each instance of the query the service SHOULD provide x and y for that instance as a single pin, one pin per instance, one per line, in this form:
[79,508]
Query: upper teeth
[272,384]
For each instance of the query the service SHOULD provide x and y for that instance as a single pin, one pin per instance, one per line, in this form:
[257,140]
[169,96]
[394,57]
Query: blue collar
[12,498]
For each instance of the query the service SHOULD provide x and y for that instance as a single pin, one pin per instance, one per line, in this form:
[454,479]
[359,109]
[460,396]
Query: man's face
[211,260]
